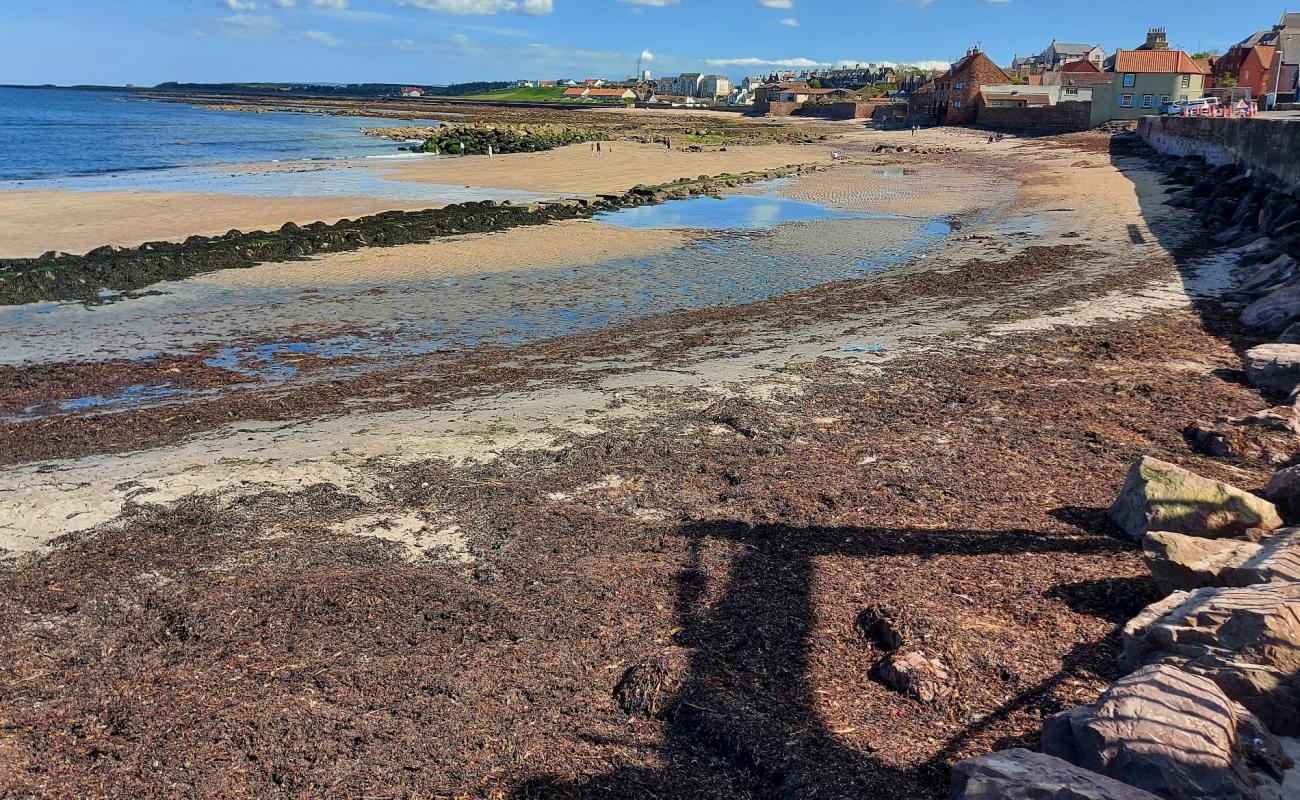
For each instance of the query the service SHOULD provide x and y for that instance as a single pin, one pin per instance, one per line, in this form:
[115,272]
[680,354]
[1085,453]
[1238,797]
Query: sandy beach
[33,222]
[447,555]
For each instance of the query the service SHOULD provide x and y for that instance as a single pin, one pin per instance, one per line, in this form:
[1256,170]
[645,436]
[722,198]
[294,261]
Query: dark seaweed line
[58,276]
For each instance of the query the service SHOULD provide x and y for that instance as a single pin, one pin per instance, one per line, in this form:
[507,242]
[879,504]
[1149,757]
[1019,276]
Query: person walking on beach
[489,151]
[462,148]
[597,148]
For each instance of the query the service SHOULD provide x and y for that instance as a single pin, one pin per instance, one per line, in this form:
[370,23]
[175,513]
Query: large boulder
[1283,491]
[1173,734]
[1247,640]
[1273,312]
[1025,775]
[1159,496]
[1179,562]
[1274,368]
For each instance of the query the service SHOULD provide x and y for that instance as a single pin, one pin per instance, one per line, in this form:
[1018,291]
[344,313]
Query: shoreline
[480,546]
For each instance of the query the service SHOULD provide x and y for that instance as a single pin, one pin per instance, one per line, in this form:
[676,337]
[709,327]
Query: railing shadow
[745,715]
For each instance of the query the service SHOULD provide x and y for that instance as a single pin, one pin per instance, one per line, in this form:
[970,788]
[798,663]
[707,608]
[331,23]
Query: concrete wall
[849,109]
[1071,115]
[1267,145]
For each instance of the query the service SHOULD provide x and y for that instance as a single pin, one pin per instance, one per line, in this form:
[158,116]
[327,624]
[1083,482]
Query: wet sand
[33,222]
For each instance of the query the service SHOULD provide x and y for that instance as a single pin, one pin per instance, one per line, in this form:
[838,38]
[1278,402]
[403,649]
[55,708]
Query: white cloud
[285,3]
[321,37]
[646,55]
[790,21]
[655,3]
[482,6]
[792,63]
[240,5]
[777,3]
[337,5]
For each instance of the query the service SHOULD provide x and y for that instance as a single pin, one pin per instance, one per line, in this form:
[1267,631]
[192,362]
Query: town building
[1082,74]
[714,87]
[412,91]
[1144,81]
[952,97]
[1056,56]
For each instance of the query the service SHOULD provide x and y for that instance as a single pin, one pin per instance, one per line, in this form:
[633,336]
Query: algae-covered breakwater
[474,140]
[60,276]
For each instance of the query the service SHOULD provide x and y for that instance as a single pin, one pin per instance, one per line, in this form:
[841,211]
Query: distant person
[489,151]
[597,148]
[462,148]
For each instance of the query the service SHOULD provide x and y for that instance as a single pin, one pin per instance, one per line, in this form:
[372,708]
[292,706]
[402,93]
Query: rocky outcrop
[474,140]
[1025,775]
[1247,640]
[1275,368]
[1173,734]
[1159,496]
[1180,563]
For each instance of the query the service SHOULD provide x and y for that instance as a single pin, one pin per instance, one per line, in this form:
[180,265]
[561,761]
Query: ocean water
[60,137]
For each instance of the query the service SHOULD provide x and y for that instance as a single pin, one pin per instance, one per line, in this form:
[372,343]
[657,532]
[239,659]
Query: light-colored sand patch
[32,222]
[561,244]
[421,537]
[576,170]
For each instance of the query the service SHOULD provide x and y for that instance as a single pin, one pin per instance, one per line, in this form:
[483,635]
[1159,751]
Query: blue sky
[442,41]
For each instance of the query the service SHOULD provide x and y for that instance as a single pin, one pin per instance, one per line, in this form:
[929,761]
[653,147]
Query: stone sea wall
[1212,684]
[1269,146]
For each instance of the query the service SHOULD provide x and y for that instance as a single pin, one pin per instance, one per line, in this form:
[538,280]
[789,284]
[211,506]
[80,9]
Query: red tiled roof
[1174,62]
[1082,65]
[606,92]
[575,92]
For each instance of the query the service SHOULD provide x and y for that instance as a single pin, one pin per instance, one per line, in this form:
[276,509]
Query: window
[959,86]
[956,104]
[1130,80]
[1164,99]
[1146,101]
[1187,81]
[1126,101]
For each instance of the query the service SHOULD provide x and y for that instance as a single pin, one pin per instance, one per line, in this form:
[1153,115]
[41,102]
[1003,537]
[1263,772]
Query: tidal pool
[732,212]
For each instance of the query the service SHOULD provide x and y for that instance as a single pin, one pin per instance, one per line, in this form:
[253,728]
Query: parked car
[1200,106]
[1172,108]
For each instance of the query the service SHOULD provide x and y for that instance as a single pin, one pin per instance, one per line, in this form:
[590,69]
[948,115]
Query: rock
[1259,250]
[914,674]
[1179,562]
[1273,312]
[1024,775]
[1274,368]
[1247,640]
[1270,276]
[1285,221]
[1284,491]
[1173,734]
[1158,496]
[1291,335]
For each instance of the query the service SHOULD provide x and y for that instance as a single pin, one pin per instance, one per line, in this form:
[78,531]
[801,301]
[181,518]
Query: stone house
[1145,80]
[956,92]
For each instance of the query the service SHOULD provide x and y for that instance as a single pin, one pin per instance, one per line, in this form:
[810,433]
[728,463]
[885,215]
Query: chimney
[1157,39]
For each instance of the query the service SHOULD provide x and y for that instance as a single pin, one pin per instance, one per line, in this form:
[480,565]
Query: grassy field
[526,94]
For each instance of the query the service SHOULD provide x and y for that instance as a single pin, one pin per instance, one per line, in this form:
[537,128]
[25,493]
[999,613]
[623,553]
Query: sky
[436,42]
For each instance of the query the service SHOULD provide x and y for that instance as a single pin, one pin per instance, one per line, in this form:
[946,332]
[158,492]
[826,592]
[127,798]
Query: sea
[67,138]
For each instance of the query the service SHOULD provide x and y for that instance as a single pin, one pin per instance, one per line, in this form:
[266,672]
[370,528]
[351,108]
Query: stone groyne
[109,273]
